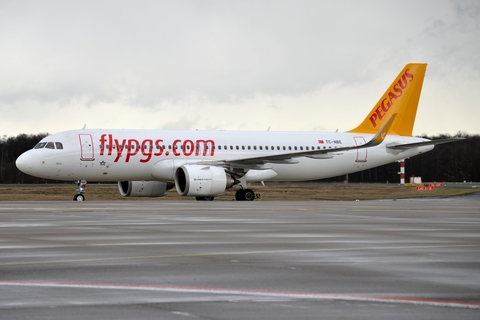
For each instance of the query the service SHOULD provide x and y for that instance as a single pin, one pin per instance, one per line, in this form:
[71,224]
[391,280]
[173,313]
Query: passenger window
[260,147]
[50,145]
[231,147]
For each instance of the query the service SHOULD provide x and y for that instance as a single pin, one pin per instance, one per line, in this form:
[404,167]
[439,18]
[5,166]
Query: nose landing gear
[81,185]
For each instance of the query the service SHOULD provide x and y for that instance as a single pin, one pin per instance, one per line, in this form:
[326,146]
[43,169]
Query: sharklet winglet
[379,137]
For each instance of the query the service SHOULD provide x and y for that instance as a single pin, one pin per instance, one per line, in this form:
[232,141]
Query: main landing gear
[81,185]
[209,198]
[245,195]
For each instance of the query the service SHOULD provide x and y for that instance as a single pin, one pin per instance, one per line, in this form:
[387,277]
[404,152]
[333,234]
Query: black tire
[248,195]
[239,195]
[209,198]
[79,197]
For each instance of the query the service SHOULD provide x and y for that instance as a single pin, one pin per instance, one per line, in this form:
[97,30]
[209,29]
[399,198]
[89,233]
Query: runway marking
[210,254]
[250,292]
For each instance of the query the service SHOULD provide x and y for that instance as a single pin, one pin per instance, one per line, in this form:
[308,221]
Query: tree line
[451,162]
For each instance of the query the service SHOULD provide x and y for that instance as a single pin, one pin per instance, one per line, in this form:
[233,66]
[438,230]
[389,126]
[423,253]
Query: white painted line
[251,292]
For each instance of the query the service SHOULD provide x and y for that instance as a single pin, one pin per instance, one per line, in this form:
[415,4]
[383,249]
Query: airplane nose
[24,162]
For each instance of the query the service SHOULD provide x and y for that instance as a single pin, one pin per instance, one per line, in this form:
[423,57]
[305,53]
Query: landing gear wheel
[245,195]
[209,198]
[239,195]
[248,195]
[81,185]
[79,197]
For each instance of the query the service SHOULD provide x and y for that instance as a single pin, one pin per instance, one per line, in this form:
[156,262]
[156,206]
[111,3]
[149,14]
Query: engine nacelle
[143,188]
[201,181]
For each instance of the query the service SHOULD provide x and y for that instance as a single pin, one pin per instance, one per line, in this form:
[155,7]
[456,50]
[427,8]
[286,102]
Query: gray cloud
[149,55]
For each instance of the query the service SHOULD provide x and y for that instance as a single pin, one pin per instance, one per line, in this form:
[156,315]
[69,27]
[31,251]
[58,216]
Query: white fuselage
[121,155]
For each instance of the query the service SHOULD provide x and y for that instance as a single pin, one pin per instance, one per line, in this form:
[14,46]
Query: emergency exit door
[361,153]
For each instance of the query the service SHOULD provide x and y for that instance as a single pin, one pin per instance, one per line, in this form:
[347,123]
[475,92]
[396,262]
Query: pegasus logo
[395,92]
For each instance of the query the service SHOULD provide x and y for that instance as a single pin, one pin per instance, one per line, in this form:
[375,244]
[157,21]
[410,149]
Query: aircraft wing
[289,158]
[395,145]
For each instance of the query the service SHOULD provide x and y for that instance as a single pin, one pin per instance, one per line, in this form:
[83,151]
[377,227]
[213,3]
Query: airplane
[203,164]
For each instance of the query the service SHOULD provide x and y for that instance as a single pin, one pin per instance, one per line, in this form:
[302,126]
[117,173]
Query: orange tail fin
[401,98]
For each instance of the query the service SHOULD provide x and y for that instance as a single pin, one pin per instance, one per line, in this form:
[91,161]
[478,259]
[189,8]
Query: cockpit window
[49,145]
[40,145]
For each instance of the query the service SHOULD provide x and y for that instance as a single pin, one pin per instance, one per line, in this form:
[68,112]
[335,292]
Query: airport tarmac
[404,259]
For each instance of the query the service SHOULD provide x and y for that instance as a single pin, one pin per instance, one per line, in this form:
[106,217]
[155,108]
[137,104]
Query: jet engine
[143,188]
[202,181]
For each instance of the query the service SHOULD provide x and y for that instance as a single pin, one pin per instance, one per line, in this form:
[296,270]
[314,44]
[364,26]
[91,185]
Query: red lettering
[409,75]
[188,147]
[385,108]
[380,113]
[110,144]
[373,120]
[392,96]
[133,148]
[147,146]
[103,143]
[207,144]
[119,149]
[159,148]
[403,84]
[397,89]
[174,148]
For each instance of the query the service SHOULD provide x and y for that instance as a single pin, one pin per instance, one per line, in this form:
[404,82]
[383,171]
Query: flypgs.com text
[149,148]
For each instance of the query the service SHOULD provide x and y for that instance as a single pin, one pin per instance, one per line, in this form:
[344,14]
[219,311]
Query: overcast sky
[233,65]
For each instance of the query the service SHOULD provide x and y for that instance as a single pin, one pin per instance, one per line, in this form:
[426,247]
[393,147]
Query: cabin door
[86,147]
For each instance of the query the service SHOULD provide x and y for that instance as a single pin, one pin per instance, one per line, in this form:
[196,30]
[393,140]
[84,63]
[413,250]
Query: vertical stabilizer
[401,98]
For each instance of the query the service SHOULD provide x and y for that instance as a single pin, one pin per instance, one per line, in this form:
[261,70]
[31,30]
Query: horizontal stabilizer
[394,145]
